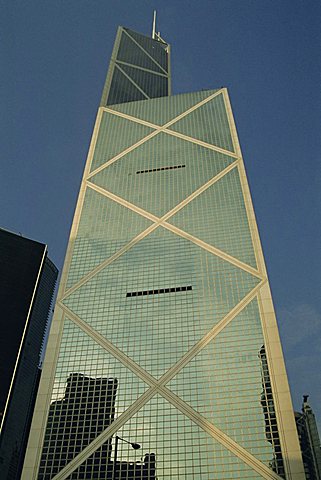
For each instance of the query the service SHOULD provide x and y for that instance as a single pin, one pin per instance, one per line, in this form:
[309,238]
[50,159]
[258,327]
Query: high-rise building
[309,440]
[164,288]
[27,282]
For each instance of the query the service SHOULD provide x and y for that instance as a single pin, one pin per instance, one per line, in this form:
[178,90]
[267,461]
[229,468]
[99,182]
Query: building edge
[280,387]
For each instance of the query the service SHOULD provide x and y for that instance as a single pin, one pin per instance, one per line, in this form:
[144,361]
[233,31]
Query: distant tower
[27,281]
[165,288]
[309,440]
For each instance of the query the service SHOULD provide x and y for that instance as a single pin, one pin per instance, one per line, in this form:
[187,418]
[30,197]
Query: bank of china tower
[164,360]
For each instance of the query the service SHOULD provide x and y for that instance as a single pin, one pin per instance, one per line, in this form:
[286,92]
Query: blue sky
[54,56]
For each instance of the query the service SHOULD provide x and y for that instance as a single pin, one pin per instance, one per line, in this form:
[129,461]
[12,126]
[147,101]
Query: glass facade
[139,69]
[163,333]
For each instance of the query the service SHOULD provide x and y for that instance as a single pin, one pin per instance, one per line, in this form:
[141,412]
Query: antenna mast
[154,26]
[156,35]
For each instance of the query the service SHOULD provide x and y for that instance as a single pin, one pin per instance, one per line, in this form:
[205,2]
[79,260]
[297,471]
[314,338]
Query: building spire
[154,26]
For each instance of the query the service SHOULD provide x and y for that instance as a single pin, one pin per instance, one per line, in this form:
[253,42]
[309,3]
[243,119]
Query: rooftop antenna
[154,26]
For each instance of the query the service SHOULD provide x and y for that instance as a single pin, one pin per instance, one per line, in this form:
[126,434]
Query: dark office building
[27,281]
[85,411]
[309,441]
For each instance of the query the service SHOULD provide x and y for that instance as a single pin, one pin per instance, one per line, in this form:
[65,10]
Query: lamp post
[134,445]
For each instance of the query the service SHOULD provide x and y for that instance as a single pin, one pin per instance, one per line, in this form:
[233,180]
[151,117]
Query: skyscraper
[27,282]
[165,290]
[309,440]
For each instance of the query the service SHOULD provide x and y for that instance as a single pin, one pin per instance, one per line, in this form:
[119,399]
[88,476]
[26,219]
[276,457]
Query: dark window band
[159,291]
[160,169]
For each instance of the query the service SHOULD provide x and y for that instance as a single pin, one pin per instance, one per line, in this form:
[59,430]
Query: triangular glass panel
[152,84]
[171,447]
[131,53]
[208,123]
[91,389]
[161,172]
[122,90]
[218,217]
[144,301]
[161,110]
[110,142]
[224,383]
[105,226]
[156,49]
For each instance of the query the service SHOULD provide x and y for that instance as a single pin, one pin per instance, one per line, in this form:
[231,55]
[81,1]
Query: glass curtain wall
[161,366]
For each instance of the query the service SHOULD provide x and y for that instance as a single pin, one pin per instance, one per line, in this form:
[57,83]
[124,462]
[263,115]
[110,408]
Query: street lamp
[134,445]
